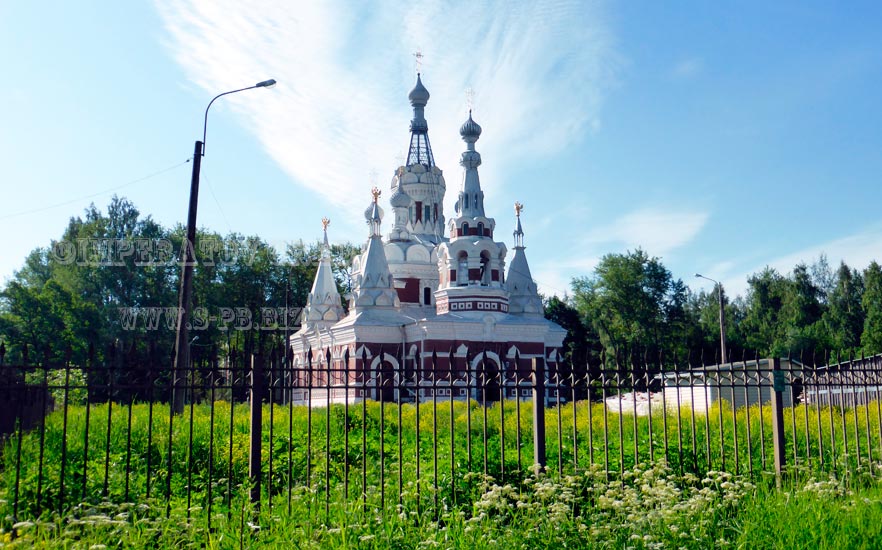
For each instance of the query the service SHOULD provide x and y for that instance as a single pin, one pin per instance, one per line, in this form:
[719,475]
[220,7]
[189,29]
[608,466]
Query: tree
[581,346]
[629,302]
[871,338]
[844,317]
[765,298]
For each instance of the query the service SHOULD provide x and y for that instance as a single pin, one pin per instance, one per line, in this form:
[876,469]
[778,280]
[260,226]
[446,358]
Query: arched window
[462,275]
[427,296]
[465,228]
[485,268]
[466,199]
[480,229]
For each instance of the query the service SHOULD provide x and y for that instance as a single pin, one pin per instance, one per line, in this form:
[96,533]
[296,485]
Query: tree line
[631,308]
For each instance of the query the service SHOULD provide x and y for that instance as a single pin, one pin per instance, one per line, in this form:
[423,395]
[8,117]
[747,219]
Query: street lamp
[719,286]
[188,259]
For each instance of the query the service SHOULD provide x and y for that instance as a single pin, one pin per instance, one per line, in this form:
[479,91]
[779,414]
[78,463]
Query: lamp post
[719,286]
[188,259]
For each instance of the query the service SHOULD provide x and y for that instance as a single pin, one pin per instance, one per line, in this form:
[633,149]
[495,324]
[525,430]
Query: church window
[436,212]
[462,278]
[427,296]
[480,229]
[485,268]
[466,199]
[419,211]
[465,228]
[428,212]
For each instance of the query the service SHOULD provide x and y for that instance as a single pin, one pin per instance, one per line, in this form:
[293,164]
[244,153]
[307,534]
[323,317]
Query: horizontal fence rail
[347,432]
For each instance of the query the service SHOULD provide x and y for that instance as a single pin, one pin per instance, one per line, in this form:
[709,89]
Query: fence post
[778,387]
[256,432]
[539,412]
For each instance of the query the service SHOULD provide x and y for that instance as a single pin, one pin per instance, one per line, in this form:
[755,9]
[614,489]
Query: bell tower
[471,265]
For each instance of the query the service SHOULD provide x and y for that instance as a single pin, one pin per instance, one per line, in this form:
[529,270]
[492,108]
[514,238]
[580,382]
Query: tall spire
[471,197]
[420,150]
[419,211]
[323,306]
[523,294]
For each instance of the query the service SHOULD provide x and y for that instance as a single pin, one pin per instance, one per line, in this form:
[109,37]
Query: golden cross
[325,223]
[518,208]
[376,193]
[470,99]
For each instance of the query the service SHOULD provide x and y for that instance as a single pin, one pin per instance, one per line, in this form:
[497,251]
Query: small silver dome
[399,199]
[373,212]
[419,96]
[470,130]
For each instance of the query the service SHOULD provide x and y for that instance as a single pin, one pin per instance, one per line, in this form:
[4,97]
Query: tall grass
[372,454]
[648,507]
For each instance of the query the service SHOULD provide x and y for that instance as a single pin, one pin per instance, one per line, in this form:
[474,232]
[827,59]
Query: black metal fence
[266,432]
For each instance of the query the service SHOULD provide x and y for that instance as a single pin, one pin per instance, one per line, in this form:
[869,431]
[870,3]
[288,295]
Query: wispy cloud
[656,230]
[687,68]
[856,250]
[539,71]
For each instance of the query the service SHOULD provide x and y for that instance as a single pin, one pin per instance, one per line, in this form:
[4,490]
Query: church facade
[432,311]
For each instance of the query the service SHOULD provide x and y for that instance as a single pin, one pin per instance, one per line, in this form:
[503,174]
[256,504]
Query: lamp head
[698,275]
[266,83]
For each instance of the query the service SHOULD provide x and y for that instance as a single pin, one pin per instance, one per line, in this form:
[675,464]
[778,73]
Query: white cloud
[344,69]
[856,250]
[657,230]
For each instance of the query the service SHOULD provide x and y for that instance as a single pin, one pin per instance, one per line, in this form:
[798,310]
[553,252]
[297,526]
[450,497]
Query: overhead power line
[93,195]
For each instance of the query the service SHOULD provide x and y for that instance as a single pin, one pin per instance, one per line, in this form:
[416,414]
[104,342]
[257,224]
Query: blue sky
[721,138]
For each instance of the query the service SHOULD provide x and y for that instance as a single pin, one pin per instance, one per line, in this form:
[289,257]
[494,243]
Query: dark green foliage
[67,304]
[871,338]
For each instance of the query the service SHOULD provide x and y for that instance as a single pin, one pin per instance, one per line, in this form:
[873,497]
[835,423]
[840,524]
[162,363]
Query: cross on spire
[470,98]
[419,60]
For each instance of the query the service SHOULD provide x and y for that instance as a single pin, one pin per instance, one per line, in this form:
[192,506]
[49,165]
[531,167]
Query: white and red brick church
[428,291]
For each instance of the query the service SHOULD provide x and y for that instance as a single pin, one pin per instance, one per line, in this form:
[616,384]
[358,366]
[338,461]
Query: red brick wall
[411,291]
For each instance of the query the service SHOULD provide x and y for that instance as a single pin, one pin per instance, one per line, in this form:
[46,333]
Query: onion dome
[419,96]
[399,199]
[470,130]
[374,214]
[373,211]
[369,212]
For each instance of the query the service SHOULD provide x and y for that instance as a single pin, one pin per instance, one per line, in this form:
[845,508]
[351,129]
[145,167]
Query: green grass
[647,507]
[344,481]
